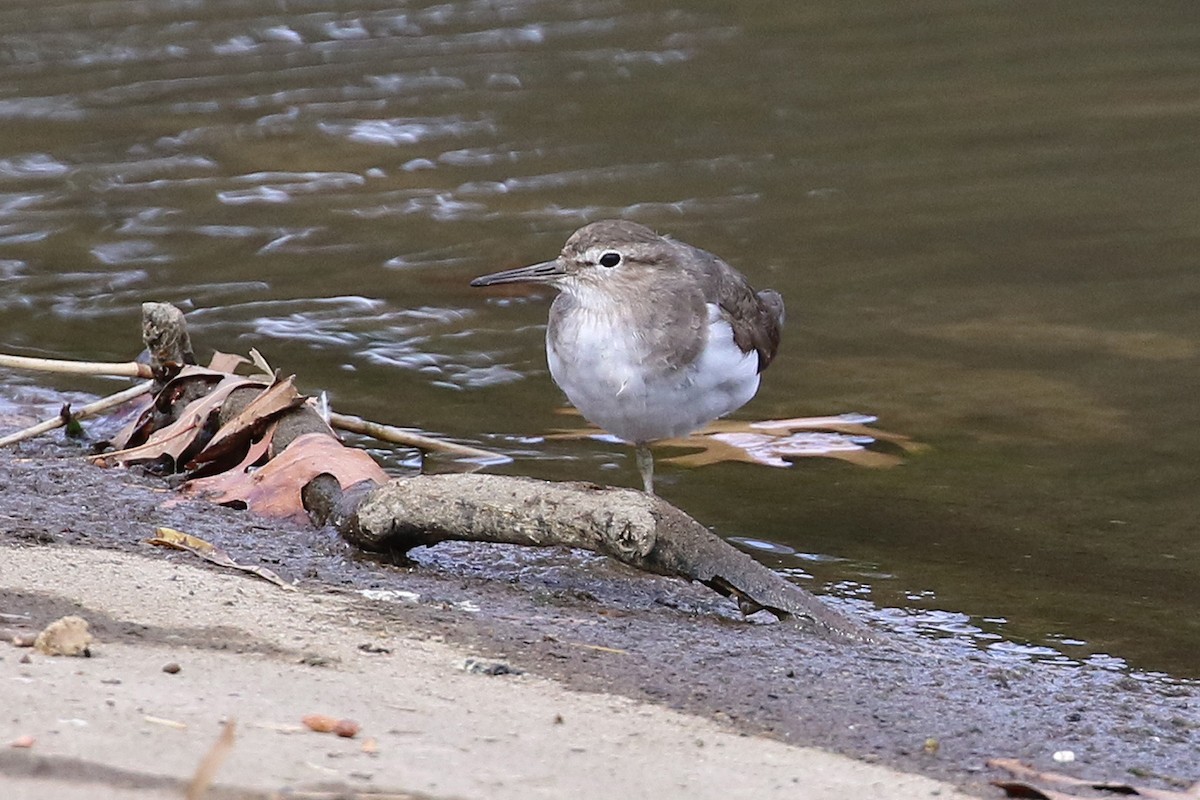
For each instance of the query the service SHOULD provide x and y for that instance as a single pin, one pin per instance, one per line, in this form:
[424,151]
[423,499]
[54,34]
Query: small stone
[480,667]
[172,668]
[346,728]
[321,723]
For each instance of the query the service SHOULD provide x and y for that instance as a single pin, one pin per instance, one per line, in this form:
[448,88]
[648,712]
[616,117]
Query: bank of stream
[935,707]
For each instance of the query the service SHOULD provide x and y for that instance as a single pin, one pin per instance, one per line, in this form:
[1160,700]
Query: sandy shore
[629,685]
[116,724]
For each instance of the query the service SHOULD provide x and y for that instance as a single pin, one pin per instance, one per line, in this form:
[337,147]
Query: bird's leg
[645,463]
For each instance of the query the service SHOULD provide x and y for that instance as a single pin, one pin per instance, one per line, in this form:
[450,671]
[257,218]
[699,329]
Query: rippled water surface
[983,217]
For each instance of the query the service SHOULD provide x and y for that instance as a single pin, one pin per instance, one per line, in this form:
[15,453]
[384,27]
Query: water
[982,215]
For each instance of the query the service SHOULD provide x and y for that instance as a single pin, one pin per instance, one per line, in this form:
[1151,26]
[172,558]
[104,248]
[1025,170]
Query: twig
[124,369]
[89,410]
[388,433]
[198,787]
[365,794]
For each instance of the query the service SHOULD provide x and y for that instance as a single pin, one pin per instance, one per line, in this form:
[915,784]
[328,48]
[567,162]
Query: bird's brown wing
[756,318]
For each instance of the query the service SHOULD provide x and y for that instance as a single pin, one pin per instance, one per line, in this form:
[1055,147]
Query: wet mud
[922,705]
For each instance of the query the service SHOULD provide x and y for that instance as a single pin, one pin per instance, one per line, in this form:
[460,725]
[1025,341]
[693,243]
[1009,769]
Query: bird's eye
[610,259]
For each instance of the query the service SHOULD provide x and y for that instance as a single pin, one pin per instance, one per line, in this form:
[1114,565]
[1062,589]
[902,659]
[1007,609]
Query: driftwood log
[630,526]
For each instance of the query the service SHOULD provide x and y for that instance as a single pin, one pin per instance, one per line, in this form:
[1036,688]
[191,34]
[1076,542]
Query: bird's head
[605,253]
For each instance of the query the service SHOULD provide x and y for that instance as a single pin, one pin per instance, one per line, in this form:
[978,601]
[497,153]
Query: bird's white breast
[609,373]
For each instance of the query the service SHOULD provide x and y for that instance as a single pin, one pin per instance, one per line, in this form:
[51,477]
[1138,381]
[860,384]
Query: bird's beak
[546,272]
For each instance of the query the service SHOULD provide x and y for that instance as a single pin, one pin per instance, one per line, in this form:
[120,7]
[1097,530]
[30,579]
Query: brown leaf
[1021,789]
[141,414]
[178,540]
[776,450]
[1017,768]
[850,424]
[256,453]
[177,438]
[1021,770]
[226,362]
[276,398]
[778,442]
[274,490]
[135,432]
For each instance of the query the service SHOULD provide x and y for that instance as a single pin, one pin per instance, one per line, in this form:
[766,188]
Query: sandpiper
[651,338]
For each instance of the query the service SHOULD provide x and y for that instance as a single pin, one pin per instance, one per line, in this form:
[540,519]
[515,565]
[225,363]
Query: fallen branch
[390,433]
[91,409]
[165,334]
[124,369]
[631,526]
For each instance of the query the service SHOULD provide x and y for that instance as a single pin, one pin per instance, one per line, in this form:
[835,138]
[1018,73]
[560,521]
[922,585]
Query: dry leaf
[1026,788]
[226,362]
[177,438]
[779,442]
[274,490]
[169,537]
[136,431]
[1021,789]
[140,414]
[202,483]
[273,400]
[260,362]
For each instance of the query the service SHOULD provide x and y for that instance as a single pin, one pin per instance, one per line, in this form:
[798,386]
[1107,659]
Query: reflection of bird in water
[651,338]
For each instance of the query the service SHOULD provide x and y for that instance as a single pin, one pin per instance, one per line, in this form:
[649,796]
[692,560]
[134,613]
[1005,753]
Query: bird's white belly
[606,373]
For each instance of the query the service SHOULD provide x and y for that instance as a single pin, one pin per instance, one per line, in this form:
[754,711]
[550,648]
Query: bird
[649,337]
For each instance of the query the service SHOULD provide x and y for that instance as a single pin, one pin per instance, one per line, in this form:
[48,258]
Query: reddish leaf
[274,490]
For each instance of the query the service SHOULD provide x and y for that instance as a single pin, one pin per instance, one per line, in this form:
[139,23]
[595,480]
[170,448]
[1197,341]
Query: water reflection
[982,217]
